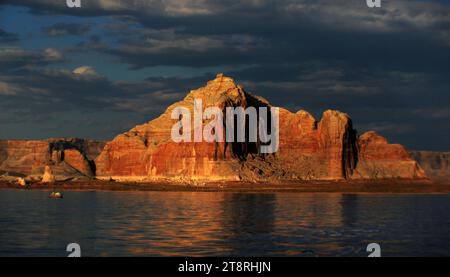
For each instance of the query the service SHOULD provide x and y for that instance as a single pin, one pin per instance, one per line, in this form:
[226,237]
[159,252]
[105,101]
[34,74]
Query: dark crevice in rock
[350,151]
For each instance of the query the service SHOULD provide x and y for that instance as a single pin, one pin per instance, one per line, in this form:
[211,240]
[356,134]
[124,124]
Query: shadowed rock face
[435,164]
[328,149]
[378,159]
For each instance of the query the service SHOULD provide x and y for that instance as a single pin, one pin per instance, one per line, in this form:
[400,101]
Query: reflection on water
[222,224]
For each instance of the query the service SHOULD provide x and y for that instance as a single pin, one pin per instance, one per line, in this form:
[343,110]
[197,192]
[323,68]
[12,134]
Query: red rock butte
[329,149]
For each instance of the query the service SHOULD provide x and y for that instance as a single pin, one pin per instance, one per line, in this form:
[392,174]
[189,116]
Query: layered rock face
[379,159]
[66,158]
[311,150]
[148,151]
[435,164]
[328,149]
[23,156]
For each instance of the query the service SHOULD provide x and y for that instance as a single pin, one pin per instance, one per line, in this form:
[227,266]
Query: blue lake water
[222,224]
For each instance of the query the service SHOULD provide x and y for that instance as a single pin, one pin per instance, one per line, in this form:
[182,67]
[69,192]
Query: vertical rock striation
[311,150]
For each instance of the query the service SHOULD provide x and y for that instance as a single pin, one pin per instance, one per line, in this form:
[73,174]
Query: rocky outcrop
[148,152]
[378,159]
[328,149]
[67,158]
[48,176]
[19,156]
[435,164]
[21,182]
[309,149]
[89,148]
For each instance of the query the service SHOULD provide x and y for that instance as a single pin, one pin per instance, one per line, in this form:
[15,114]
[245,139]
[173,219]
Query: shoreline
[361,187]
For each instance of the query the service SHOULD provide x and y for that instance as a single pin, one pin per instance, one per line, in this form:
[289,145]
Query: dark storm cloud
[194,51]
[6,37]
[260,16]
[83,89]
[270,32]
[388,68]
[16,58]
[210,33]
[80,103]
[315,83]
[63,29]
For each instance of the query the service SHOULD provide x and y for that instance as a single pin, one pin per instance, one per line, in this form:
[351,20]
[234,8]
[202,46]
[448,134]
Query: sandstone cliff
[67,158]
[377,159]
[435,164]
[148,152]
[328,149]
[309,149]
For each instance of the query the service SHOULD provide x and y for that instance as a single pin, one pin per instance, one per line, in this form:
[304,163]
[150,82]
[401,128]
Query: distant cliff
[435,164]
[69,158]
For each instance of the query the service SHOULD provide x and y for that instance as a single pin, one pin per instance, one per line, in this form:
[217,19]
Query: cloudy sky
[99,70]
